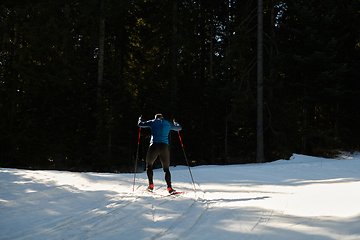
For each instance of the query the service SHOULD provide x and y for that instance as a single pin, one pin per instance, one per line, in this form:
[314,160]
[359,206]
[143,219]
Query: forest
[75,76]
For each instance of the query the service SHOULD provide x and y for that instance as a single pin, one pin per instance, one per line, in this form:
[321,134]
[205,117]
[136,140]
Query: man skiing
[159,146]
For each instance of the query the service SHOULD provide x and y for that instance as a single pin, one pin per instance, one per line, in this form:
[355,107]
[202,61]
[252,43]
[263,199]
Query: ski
[164,195]
[154,193]
[175,193]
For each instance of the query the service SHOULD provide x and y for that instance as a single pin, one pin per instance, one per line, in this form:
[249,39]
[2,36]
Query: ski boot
[150,188]
[171,191]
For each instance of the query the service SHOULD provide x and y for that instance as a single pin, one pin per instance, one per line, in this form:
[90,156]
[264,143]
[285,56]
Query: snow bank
[303,198]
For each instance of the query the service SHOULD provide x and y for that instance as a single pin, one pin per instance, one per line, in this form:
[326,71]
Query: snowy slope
[304,198]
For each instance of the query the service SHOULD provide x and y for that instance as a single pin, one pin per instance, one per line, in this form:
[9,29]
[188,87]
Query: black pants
[161,150]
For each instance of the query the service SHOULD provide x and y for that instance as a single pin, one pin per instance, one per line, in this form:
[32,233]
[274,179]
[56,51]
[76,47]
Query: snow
[303,198]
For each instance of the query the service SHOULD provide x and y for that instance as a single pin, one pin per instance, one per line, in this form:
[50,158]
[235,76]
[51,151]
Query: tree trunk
[101,63]
[174,56]
[226,136]
[66,36]
[14,85]
[269,99]
[304,131]
[260,130]
[227,46]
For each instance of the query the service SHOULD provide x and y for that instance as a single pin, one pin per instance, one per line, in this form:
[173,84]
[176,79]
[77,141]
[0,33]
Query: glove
[140,119]
[175,123]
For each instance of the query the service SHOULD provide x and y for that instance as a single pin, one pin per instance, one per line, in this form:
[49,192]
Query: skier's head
[158,116]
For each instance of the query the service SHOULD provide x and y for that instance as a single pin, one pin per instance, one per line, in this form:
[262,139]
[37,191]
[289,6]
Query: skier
[159,146]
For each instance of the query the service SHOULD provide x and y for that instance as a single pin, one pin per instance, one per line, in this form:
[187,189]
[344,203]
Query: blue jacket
[160,129]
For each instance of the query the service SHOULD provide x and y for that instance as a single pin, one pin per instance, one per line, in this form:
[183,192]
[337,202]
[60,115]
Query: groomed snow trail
[304,198]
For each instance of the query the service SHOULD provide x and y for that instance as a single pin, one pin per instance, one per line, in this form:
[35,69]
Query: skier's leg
[165,161]
[151,155]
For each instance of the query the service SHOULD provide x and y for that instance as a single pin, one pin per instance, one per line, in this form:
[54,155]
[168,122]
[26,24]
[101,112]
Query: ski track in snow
[304,198]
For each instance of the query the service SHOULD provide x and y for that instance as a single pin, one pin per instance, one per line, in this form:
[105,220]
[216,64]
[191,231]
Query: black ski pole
[136,158]
[182,145]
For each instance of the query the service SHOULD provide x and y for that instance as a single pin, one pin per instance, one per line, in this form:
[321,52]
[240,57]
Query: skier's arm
[175,126]
[144,124]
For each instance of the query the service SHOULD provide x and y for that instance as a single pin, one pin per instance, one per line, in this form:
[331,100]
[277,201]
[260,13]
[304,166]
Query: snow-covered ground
[304,198]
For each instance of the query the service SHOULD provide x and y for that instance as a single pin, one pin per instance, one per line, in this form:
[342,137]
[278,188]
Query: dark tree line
[75,75]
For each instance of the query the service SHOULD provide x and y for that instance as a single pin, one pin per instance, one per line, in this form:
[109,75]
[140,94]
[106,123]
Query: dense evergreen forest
[75,75]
